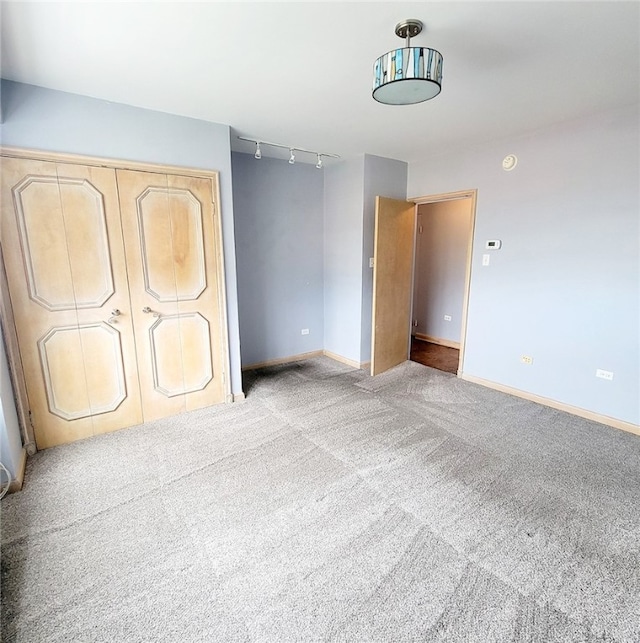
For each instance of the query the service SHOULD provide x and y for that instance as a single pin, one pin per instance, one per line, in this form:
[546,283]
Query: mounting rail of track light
[292,157]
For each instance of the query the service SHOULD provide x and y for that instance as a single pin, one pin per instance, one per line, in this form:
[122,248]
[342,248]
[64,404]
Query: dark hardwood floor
[441,357]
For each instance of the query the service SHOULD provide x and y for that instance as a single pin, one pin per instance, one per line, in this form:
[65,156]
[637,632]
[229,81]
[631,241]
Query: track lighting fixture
[292,151]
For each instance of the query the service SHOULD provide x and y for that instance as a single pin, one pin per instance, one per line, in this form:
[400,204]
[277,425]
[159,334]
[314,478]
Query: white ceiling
[300,73]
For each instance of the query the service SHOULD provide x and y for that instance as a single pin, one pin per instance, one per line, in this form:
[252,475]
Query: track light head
[258,154]
[319,163]
[292,158]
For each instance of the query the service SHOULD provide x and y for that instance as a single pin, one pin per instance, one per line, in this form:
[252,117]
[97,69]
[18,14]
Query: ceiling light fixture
[410,74]
[292,157]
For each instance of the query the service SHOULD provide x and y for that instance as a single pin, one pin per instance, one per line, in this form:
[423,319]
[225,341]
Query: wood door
[392,272]
[174,261]
[64,257]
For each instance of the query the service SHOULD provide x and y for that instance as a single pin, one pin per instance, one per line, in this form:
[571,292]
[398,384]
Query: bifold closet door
[175,289]
[64,256]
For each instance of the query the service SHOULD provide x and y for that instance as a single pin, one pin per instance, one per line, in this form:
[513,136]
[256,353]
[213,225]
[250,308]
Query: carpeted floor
[332,506]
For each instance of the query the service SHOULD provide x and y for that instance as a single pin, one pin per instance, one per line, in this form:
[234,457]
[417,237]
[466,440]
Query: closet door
[64,256]
[173,259]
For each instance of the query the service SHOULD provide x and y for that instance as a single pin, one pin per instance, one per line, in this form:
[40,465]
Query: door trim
[13,354]
[454,196]
[14,362]
[116,164]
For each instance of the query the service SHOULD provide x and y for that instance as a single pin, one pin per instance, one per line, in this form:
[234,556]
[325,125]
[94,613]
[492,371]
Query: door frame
[439,198]
[6,318]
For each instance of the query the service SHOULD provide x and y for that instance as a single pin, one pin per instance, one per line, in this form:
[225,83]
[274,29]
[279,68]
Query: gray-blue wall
[350,190]
[44,119]
[343,208]
[565,287]
[279,247]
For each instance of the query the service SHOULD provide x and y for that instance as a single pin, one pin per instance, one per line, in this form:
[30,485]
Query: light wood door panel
[169,231]
[64,256]
[392,272]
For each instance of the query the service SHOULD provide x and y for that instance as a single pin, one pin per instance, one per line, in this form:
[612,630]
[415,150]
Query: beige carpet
[331,506]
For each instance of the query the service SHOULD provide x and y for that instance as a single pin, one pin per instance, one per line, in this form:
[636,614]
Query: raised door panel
[168,222]
[41,233]
[63,251]
[199,291]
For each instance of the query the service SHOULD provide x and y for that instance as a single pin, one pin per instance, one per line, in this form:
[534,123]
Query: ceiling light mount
[407,75]
[408,29]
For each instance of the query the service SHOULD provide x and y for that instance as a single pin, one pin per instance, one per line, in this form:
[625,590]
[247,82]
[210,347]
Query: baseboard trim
[560,406]
[300,358]
[282,360]
[16,484]
[437,340]
[342,360]
[238,397]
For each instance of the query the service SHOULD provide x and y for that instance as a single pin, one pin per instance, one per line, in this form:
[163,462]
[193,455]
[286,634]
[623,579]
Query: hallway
[441,357]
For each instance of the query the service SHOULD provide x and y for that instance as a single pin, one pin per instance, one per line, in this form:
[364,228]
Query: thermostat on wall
[493,244]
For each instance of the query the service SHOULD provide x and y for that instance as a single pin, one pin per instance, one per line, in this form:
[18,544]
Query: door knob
[146,310]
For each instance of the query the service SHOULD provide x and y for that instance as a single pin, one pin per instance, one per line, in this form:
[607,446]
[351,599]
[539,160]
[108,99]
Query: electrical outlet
[605,375]
[447,317]
[486,260]
[526,359]
[304,331]
[371,262]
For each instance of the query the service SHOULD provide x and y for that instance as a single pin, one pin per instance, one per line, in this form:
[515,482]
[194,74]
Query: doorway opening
[427,353]
[441,277]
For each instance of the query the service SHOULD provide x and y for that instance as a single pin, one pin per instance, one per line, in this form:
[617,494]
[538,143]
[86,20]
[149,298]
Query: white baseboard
[238,397]
[16,483]
[560,406]
[437,340]
[299,358]
[282,360]
[346,360]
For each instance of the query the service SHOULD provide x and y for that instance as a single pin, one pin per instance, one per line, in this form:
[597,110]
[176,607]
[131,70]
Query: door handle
[114,314]
[146,310]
